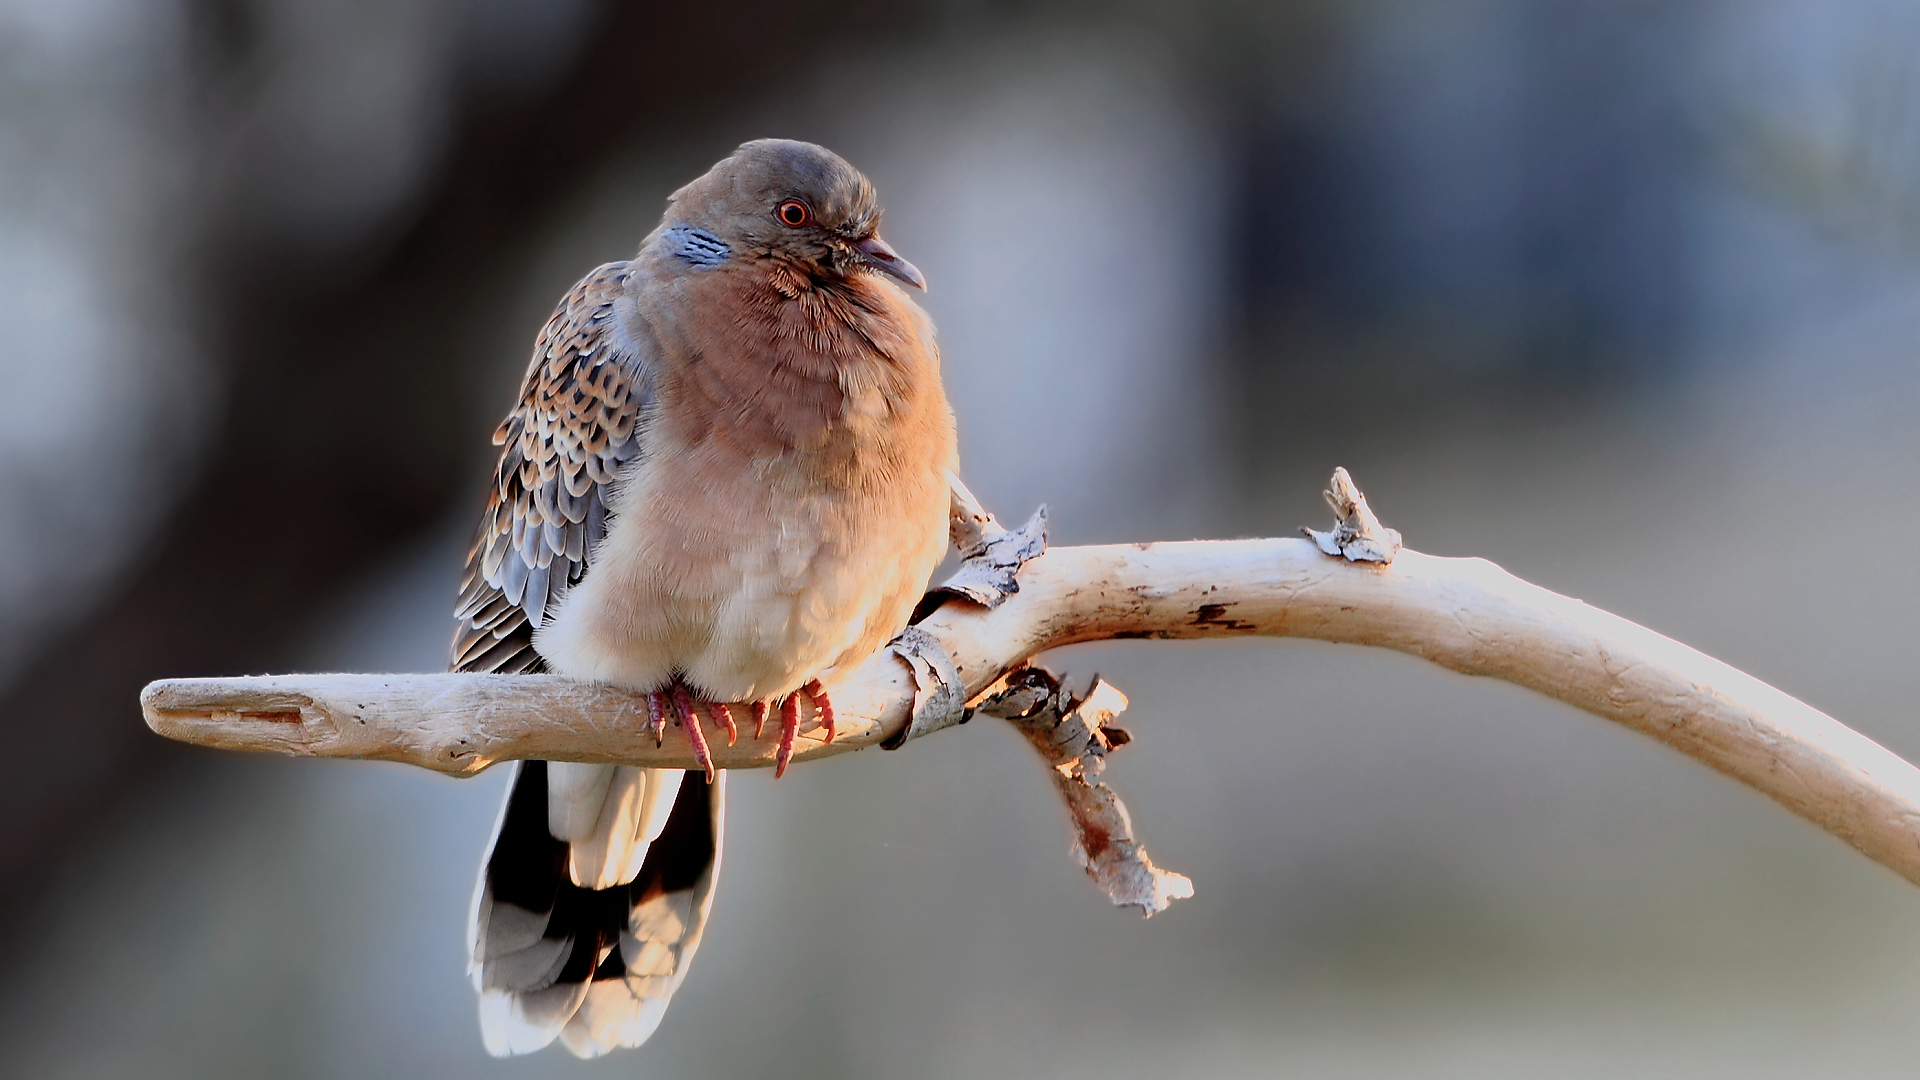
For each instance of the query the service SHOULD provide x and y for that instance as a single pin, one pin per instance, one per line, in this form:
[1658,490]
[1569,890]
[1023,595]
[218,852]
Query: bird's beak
[888,261]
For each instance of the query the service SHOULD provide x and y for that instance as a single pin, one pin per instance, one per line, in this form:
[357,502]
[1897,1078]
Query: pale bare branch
[1463,614]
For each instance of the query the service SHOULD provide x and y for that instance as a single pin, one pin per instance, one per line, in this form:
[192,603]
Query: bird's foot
[722,714]
[659,706]
[690,720]
[790,721]
[822,704]
[789,727]
[678,702]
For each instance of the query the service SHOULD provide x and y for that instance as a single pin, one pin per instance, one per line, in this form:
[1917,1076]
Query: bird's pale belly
[752,588]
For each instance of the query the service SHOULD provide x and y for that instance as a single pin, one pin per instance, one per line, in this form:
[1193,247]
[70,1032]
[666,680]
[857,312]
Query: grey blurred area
[1625,297]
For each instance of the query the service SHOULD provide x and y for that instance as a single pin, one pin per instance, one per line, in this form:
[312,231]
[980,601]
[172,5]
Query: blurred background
[1619,295]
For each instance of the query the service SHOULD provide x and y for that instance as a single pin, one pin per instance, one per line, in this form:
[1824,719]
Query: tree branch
[1463,614]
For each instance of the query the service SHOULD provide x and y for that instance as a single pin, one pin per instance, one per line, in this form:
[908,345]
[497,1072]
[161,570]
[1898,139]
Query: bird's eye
[793,213]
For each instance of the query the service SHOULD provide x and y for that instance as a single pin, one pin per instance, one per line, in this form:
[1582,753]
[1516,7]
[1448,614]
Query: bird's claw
[790,721]
[789,727]
[723,717]
[690,719]
[678,702]
[822,704]
[657,706]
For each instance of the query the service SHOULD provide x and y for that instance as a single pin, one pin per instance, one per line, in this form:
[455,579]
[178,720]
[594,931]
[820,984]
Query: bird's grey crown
[697,246]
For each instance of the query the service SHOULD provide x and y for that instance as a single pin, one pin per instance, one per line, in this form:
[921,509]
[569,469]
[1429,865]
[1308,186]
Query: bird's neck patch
[697,246]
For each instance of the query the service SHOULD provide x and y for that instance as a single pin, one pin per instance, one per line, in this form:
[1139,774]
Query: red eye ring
[794,214]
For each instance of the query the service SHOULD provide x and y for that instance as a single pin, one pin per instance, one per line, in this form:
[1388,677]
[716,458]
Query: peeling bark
[1074,736]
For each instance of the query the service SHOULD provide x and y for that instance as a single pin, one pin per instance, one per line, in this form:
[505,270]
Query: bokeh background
[1621,295]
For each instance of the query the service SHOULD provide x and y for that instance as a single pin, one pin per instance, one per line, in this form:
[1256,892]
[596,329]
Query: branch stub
[1357,536]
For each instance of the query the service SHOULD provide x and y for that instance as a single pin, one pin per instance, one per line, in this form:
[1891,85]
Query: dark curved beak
[888,261]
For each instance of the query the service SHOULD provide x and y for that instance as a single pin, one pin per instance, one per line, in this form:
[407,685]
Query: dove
[724,480]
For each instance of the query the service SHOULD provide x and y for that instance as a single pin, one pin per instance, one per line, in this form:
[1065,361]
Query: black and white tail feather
[591,904]
[599,878]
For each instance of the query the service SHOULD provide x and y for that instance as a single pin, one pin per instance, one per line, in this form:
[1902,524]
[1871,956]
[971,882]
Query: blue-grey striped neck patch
[697,246]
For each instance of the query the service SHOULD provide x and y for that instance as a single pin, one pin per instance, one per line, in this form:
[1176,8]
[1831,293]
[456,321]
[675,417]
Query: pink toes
[821,704]
[690,719]
[676,701]
[790,721]
[789,727]
[657,715]
[723,717]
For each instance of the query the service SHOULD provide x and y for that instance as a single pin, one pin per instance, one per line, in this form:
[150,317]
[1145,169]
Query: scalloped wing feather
[561,447]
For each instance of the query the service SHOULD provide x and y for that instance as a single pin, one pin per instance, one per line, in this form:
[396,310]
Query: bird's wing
[570,433]
[567,437]
[567,933]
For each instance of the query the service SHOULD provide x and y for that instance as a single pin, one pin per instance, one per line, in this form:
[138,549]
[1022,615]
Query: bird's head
[796,202]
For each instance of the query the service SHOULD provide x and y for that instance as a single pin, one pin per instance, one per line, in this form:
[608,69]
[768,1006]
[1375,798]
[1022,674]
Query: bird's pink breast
[789,506]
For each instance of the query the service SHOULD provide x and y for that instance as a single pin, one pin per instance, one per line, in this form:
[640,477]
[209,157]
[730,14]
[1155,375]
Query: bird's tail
[591,903]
